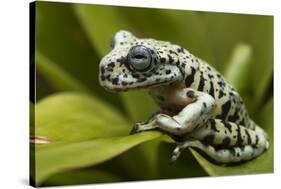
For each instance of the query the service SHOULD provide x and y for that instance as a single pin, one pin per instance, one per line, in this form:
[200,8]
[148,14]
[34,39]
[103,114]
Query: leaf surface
[54,158]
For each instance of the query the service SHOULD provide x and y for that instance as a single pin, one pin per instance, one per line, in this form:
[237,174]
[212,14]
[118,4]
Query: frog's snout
[111,75]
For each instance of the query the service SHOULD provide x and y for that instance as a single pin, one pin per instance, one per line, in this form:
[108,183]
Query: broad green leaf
[140,106]
[58,157]
[77,116]
[128,164]
[81,176]
[57,76]
[262,164]
[238,69]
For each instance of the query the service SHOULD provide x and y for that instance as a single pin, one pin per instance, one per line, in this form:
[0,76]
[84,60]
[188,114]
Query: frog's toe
[135,129]
[176,153]
[173,158]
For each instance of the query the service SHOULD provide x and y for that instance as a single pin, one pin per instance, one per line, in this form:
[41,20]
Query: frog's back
[230,106]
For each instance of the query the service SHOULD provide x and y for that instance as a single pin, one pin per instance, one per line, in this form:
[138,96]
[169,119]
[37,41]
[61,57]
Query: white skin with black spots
[198,107]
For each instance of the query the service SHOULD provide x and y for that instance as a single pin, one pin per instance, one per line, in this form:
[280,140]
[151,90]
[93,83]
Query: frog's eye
[139,58]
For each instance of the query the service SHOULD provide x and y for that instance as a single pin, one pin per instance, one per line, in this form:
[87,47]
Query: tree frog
[198,107]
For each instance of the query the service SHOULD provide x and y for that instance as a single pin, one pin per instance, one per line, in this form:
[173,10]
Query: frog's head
[138,63]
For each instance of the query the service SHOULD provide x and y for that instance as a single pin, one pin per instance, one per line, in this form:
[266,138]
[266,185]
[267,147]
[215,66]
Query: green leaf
[57,157]
[127,164]
[100,31]
[261,164]
[68,117]
[262,39]
[238,69]
[77,116]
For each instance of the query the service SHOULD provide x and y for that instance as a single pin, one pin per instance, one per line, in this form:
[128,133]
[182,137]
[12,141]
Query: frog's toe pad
[176,153]
[173,158]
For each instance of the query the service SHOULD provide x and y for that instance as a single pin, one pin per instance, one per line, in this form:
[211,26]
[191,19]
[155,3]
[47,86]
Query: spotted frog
[198,107]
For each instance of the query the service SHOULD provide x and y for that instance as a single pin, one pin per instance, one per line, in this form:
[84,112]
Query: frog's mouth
[124,82]
[114,88]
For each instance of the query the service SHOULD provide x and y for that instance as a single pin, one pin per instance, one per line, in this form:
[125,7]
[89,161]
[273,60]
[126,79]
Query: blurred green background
[83,123]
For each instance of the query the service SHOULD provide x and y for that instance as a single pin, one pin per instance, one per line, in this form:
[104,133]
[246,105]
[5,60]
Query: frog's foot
[176,153]
[143,126]
[135,129]
[180,147]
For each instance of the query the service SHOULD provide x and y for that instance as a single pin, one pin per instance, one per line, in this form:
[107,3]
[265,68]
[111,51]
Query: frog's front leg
[195,113]
[192,115]
[144,126]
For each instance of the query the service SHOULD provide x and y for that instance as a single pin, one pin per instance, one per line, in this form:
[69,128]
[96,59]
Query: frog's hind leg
[225,142]
[224,134]
[223,155]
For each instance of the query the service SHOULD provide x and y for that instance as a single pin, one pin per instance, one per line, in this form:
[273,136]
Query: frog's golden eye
[139,58]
